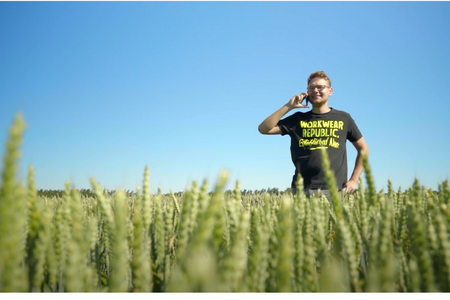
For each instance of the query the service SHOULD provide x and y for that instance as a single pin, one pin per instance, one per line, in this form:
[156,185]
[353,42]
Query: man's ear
[331,91]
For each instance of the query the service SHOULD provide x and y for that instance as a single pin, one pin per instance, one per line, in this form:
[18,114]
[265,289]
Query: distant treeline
[90,193]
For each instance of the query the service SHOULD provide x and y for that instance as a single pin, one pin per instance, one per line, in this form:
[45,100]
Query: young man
[321,127]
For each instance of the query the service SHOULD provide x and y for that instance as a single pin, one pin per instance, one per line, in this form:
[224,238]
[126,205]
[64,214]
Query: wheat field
[220,241]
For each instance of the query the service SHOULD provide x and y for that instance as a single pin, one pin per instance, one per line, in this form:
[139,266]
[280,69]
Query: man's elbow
[262,130]
[362,147]
[269,131]
[365,151]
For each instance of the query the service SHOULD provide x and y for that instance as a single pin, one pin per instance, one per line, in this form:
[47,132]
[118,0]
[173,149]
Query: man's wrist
[355,180]
[289,108]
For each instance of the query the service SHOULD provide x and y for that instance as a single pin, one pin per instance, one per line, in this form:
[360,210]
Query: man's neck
[323,109]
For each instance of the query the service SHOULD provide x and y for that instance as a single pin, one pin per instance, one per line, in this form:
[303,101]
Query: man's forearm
[272,120]
[359,166]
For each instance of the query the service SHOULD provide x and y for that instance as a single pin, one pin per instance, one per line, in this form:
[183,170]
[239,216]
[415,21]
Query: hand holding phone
[297,101]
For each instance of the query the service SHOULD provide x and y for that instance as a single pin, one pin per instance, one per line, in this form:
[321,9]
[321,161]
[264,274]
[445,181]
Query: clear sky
[108,88]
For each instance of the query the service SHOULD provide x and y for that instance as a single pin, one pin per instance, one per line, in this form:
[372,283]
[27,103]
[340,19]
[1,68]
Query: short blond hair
[319,74]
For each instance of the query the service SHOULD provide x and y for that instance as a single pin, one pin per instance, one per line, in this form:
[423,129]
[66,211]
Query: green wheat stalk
[118,281]
[159,251]
[184,231]
[236,261]
[258,258]
[77,272]
[13,214]
[38,238]
[140,260]
[419,242]
[309,281]
[284,268]
[350,257]
[332,186]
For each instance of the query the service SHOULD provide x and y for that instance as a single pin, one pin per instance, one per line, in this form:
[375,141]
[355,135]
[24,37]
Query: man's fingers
[297,100]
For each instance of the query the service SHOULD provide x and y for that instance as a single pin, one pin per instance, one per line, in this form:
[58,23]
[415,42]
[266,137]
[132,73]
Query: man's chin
[317,101]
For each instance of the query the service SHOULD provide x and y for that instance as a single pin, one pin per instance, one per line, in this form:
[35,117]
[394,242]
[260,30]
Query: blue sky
[108,88]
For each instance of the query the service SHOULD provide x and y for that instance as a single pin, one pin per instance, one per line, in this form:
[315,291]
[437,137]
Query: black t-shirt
[309,133]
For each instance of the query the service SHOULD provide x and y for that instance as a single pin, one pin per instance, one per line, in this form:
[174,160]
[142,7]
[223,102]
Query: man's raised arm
[269,125]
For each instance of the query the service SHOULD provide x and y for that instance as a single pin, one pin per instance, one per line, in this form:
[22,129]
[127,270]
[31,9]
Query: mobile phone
[307,99]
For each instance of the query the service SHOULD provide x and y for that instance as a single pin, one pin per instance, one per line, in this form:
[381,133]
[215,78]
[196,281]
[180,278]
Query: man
[321,127]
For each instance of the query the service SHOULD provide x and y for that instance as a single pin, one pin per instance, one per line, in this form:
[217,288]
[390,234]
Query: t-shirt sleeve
[287,124]
[353,133]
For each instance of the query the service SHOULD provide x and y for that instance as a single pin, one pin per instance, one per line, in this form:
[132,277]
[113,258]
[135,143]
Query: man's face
[319,90]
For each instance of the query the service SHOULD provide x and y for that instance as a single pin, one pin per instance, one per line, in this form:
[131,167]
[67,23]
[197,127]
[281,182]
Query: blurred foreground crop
[394,241]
